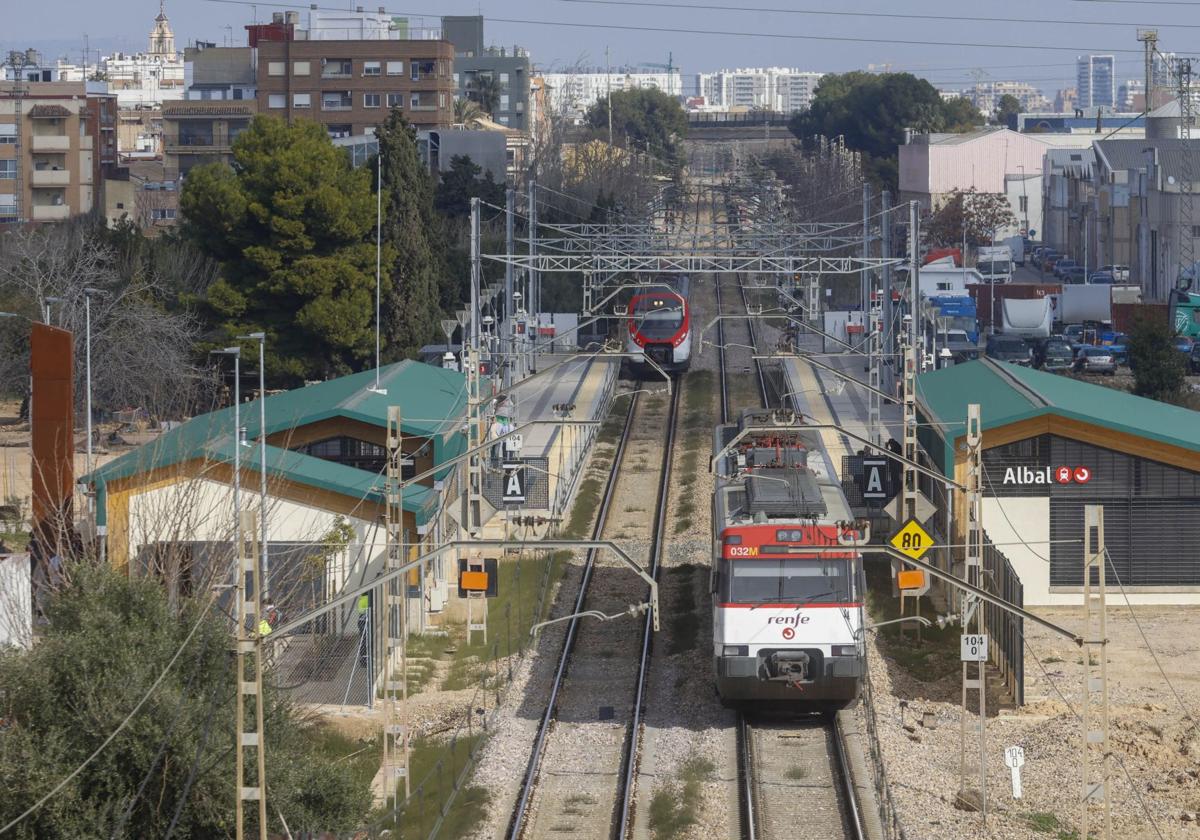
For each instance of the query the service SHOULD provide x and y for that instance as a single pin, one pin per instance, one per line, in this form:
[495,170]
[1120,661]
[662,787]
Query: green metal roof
[1009,393]
[432,402]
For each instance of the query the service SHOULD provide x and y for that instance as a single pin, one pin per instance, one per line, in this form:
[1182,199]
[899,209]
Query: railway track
[580,776]
[794,779]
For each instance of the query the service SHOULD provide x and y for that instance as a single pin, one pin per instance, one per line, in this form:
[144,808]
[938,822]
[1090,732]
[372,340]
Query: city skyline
[562,34]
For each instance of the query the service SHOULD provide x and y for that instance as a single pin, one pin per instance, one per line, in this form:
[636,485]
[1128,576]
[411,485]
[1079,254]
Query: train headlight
[735,650]
[844,650]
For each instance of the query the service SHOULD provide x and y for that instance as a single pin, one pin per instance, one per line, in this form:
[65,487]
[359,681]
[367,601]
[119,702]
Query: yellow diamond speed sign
[912,540]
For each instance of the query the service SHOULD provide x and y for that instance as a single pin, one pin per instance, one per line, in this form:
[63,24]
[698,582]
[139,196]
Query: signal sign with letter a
[514,483]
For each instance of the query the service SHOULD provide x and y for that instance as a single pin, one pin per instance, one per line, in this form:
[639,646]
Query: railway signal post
[974,640]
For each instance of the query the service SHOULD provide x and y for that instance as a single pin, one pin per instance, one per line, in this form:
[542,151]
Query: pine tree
[292,225]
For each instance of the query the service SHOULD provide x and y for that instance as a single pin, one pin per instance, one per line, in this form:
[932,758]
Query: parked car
[1117,344]
[1194,358]
[1009,348]
[1054,353]
[1095,360]
[1075,275]
[1105,278]
[1062,265]
[1049,259]
[1037,254]
[1184,344]
[1120,273]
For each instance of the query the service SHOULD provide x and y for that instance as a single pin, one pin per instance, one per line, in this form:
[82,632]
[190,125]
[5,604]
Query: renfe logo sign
[1047,475]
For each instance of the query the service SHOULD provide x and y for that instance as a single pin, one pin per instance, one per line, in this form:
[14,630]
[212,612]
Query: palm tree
[487,92]
[466,111]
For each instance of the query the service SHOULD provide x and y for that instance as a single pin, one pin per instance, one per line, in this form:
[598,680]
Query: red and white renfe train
[660,326]
[787,620]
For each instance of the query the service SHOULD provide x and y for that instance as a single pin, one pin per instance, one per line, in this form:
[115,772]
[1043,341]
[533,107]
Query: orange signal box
[473,581]
[910,578]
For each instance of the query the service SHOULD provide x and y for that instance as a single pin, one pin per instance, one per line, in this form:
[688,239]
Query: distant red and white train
[787,619]
[660,327]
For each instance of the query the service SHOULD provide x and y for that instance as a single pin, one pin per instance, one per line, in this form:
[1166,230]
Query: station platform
[556,454]
[828,398]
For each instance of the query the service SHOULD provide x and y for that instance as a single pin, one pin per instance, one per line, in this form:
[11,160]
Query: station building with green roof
[1052,444]
[169,504]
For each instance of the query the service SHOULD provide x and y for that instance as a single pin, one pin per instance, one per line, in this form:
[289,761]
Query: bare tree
[141,349]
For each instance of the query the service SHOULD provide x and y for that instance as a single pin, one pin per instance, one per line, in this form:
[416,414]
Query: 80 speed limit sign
[974,647]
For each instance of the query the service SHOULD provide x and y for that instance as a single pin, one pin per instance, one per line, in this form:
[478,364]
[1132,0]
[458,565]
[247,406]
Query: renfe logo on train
[797,618]
[1047,475]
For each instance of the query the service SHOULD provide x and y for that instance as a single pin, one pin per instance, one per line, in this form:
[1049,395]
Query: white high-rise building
[782,89]
[571,94]
[986,96]
[1096,82]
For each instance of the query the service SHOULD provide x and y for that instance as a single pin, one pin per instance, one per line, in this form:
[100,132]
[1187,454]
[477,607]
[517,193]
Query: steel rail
[627,791]
[529,783]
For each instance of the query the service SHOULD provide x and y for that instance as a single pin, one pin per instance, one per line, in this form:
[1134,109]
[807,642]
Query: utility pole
[18,60]
[974,643]
[608,107]
[250,688]
[1187,256]
[914,268]
[476,267]
[510,198]
[1095,672]
[395,626]
[533,304]
[864,281]
[1149,38]
[889,336]
[378,251]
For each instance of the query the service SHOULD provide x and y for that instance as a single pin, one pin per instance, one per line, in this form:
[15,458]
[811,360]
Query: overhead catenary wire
[731,33]
[1074,23]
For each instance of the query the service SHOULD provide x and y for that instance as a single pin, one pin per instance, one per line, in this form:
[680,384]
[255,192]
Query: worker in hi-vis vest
[364,609]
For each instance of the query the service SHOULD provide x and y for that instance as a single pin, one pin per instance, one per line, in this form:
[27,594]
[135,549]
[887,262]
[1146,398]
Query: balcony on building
[336,68]
[341,100]
[49,170]
[423,101]
[49,133]
[49,204]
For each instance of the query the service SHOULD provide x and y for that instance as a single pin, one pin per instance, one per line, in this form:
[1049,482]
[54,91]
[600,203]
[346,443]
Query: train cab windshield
[657,316]
[783,581]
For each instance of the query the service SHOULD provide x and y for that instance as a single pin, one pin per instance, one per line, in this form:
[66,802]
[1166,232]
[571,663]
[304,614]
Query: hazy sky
[745,37]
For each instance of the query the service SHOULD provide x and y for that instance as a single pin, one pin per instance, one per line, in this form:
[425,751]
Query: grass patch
[587,499]
[796,773]
[433,767]
[1044,822]
[359,759]
[689,461]
[685,508]
[937,656]
[683,526]
[16,540]
[673,806]
[510,614]
[1050,660]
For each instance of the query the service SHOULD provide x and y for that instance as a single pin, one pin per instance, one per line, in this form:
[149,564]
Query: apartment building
[220,102]
[55,139]
[571,94]
[477,66]
[986,96]
[781,89]
[349,86]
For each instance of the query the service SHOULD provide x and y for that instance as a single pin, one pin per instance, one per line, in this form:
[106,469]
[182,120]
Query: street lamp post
[46,308]
[87,309]
[261,338]
[378,252]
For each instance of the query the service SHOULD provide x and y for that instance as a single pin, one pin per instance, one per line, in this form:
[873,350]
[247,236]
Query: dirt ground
[1154,735]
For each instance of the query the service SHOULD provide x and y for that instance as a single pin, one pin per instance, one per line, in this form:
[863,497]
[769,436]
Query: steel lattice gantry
[690,262]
